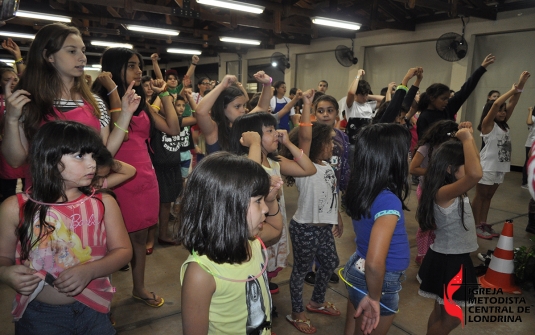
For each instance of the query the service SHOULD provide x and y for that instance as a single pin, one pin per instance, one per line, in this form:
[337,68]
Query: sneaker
[334,279]
[482,233]
[125,268]
[483,257]
[525,186]
[488,229]
[273,288]
[310,278]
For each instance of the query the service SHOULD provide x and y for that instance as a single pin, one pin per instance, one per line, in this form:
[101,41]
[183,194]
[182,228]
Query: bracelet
[115,124]
[296,159]
[357,77]
[19,61]
[301,124]
[194,64]
[403,87]
[164,94]
[519,90]
[278,210]
[110,92]
[270,81]
[155,107]
[113,110]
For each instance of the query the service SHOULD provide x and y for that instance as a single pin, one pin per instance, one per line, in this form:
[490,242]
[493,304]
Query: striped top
[79,236]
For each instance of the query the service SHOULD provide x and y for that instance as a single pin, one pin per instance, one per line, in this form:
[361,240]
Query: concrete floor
[162,276]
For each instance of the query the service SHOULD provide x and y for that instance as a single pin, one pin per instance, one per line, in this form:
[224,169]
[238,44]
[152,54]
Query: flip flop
[294,322]
[147,300]
[324,309]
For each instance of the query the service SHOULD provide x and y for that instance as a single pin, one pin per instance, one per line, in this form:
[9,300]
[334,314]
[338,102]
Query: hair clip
[452,134]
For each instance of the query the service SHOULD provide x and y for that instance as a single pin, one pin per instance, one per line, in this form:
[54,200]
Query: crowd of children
[89,156]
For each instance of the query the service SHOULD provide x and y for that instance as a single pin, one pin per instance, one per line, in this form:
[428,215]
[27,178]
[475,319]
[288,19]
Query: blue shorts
[75,318]
[391,286]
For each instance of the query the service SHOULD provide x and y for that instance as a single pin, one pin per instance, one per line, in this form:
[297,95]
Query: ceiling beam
[444,6]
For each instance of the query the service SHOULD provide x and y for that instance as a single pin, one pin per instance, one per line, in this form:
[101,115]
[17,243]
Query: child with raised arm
[60,241]
[444,208]
[225,224]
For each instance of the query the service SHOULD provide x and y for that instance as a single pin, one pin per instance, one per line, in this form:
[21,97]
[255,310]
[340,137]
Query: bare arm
[529,121]
[14,50]
[121,172]
[193,65]
[198,287]
[305,127]
[14,143]
[416,168]
[514,99]
[301,165]
[120,121]
[488,121]
[156,66]
[266,94]
[353,89]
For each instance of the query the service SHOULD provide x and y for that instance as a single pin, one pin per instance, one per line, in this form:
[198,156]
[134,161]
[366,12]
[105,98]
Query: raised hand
[390,86]
[186,81]
[467,125]
[12,48]
[195,59]
[464,134]
[158,85]
[262,78]
[488,60]
[154,57]
[308,96]
[228,80]
[249,138]
[283,137]
[298,94]
[130,100]
[106,80]
[360,72]
[15,101]
[524,76]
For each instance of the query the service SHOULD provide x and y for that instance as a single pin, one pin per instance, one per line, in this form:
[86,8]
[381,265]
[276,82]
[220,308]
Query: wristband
[301,124]
[270,81]
[278,210]
[113,110]
[519,90]
[194,64]
[110,92]
[164,94]
[357,77]
[403,87]
[296,159]
[115,124]
[19,61]
[155,107]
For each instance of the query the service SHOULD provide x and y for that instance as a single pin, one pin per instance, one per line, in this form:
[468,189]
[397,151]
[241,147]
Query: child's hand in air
[391,85]
[420,73]
[283,137]
[488,60]
[467,125]
[130,100]
[523,78]
[308,97]
[15,101]
[186,81]
[186,93]
[154,57]
[158,85]
[276,184]
[105,79]
[298,94]
[360,73]
[262,78]
[464,134]
[72,281]
[195,59]
[21,278]
[249,138]
[228,80]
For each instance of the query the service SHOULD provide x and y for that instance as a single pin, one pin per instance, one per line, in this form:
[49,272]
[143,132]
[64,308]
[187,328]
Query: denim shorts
[391,286]
[75,318]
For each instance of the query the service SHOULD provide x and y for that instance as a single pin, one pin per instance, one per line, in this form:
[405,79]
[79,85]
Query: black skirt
[169,182]
[436,272]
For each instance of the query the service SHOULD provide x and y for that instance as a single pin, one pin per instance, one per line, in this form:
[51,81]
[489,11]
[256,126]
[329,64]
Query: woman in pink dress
[139,196]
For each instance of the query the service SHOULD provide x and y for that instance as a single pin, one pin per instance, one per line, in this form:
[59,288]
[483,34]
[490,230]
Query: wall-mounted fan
[345,56]
[452,46]
[280,61]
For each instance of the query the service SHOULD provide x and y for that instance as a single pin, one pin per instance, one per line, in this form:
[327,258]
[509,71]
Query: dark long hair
[437,134]
[218,114]
[250,122]
[486,110]
[52,141]
[42,80]
[433,91]
[215,202]
[441,171]
[380,162]
[321,136]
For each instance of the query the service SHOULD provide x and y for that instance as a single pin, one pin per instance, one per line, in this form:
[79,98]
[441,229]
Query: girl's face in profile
[440,102]
[133,71]
[256,215]
[270,139]
[78,169]
[69,61]
[494,96]
[235,108]
[148,90]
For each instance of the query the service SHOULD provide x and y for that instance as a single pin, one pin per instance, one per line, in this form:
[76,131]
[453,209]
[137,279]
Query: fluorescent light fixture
[184,51]
[336,23]
[97,66]
[88,68]
[152,30]
[239,40]
[16,35]
[7,61]
[112,44]
[42,16]
[235,5]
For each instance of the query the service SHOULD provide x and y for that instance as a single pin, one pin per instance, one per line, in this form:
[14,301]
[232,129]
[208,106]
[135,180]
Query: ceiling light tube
[336,23]
[88,68]
[16,35]
[239,40]
[7,61]
[112,44]
[152,30]
[43,16]
[97,66]
[235,5]
[184,51]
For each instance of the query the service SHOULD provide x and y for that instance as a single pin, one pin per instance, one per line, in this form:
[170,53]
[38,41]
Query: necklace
[264,249]
[77,202]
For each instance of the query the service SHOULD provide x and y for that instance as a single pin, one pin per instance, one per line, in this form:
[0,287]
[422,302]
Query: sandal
[296,322]
[147,301]
[324,309]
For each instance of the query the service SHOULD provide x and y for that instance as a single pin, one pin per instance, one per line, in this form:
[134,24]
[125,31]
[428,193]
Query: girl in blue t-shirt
[374,199]
[445,209]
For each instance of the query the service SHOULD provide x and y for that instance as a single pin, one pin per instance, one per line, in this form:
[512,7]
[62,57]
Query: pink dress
[139,197]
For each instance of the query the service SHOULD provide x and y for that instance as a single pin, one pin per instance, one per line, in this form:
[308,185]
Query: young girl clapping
[60,241]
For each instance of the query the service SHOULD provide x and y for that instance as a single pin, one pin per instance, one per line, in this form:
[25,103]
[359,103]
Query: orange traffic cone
[500,273]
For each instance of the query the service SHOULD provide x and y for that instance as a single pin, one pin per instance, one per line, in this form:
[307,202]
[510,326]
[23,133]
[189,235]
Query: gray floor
[162,276]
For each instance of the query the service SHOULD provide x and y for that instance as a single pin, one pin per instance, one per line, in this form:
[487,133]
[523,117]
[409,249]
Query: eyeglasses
[328,110]
[205,83]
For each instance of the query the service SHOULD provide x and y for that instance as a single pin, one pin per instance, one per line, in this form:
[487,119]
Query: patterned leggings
[309,241]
